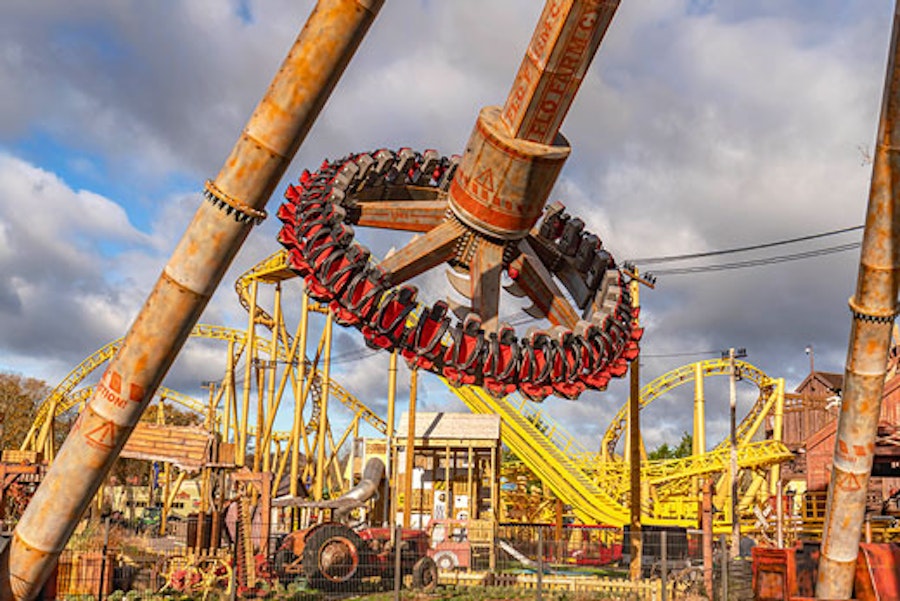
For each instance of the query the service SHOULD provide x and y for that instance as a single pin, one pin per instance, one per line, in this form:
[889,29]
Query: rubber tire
[314,544]
[283,558]
[425,575]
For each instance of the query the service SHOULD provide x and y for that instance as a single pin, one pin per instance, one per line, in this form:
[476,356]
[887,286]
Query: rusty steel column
[515,153]
[636,540]
[234,201]
[873,307]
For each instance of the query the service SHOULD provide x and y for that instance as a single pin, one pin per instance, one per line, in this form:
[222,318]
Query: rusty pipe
[234,201]
[561,49]
[873,308]
[515,154]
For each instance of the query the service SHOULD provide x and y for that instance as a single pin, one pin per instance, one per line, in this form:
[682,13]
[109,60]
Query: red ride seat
[423,346]
[360,298]
[537,363]
[388,324]
[502,362]
[463,361]
[341,267]
[566,375]
[287,214]
[598,344]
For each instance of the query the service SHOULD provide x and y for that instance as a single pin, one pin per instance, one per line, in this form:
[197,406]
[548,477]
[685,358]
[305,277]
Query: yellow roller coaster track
[684,374]
[594,488]
[166,394]
[57,403]
[597,490]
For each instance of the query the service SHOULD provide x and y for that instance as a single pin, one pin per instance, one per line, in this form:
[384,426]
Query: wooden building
[456,471]
[813,405]
[818,445]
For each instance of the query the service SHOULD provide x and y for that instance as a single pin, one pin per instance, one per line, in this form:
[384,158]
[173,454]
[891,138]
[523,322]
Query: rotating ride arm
[479,214]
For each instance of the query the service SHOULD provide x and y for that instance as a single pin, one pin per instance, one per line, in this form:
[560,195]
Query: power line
[671,258]
[684,354]
[759,262]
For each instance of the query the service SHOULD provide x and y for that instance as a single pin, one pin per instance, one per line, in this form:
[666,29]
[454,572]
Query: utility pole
[812,358]
[733,466]
[634,455]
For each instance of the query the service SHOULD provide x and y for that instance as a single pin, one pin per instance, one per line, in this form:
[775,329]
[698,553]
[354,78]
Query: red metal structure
[334,557]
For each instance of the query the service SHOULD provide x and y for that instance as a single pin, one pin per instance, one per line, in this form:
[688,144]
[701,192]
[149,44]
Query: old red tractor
[333,556]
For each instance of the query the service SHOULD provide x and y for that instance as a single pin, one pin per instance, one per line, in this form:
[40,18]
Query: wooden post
[469,483]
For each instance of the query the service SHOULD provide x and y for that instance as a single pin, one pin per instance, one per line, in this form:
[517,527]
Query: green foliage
[19,399]
[664,451]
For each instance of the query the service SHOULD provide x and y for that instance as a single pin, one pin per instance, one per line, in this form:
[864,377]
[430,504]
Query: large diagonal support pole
[235,200]
[873,307]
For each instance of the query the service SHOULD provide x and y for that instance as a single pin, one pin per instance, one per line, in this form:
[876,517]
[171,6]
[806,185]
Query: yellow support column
[299,388]
[388,460]
[270,391]
[230,396]
[410,447]
[249,356]
[698,443]
[319,490]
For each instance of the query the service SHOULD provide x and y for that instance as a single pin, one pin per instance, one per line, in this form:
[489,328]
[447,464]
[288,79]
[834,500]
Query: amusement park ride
[484,215]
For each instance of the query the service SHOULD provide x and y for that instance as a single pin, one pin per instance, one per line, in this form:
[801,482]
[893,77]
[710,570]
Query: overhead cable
[758,262]
[671,258]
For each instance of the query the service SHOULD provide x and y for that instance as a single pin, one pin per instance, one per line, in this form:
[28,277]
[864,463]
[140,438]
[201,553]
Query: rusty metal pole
[515,152]
[733,463]
[634,457]
[873,308]
[234,201]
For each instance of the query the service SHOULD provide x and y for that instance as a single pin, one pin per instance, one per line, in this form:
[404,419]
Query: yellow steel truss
[685,374]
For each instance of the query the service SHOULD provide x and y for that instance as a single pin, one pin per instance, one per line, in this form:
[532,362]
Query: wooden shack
[456,467]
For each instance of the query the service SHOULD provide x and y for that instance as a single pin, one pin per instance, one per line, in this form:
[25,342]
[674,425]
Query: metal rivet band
[242,212]
[872,317]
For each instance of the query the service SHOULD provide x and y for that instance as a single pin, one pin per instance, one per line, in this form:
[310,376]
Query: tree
[664,451]
[19,399]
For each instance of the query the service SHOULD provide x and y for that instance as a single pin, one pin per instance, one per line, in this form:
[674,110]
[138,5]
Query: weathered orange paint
[502,183]
[873,307]
[192,274]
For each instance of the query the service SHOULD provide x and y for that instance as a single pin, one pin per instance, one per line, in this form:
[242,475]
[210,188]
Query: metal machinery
[333,556]
[483,215]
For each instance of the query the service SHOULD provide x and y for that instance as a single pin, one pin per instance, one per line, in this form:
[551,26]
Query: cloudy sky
[702,125]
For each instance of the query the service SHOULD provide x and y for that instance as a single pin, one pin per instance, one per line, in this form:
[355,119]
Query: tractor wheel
[425,575]
[446,560]
[331,558]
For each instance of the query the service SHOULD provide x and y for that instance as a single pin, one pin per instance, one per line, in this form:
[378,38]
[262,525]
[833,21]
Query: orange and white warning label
[111,388]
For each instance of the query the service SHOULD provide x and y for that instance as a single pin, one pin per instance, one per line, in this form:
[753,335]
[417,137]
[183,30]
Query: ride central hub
[503,182]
